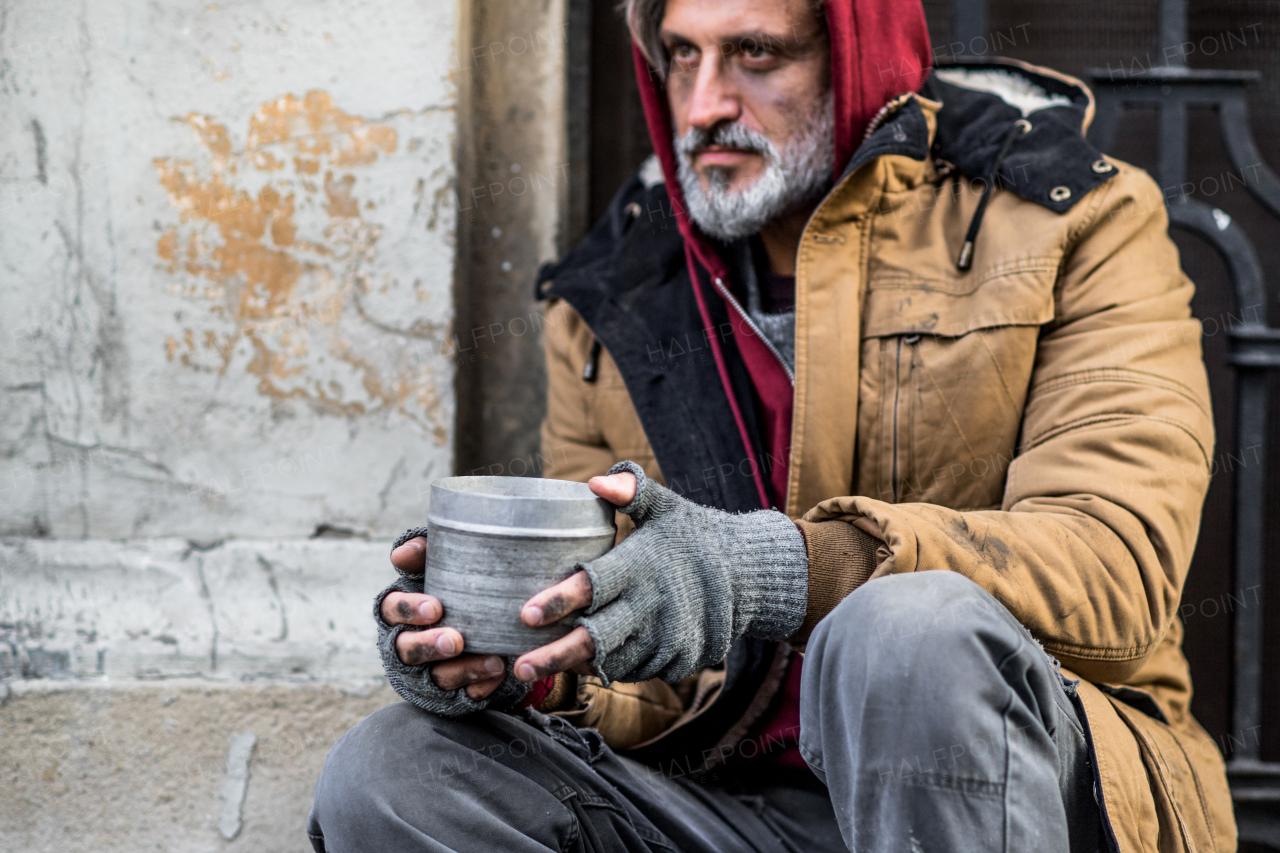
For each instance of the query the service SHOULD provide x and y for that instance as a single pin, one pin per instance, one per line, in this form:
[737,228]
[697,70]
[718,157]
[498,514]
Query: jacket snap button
[633,210]
[1102,167]
[1023,125]
[1060,193]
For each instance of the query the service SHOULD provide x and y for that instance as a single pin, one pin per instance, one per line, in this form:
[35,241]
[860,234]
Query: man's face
[752,104]
[761,65]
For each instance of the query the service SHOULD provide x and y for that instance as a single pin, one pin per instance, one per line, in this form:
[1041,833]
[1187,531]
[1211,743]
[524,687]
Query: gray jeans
[936,722]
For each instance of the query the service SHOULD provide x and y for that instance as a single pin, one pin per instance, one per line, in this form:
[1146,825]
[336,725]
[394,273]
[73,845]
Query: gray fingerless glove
[414,683]
[690,580]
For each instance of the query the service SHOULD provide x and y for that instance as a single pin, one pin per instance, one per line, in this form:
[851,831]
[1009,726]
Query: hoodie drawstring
[965,259]
[591,370]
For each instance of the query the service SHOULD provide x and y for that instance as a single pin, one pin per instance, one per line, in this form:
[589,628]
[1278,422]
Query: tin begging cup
[495,542]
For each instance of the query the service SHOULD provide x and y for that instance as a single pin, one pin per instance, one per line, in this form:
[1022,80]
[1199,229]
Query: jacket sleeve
[1101,506]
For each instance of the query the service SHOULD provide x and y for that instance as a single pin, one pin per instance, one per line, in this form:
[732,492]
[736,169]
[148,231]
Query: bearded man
[897,380]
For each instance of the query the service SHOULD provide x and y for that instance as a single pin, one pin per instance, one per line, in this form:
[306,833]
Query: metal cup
[494,542]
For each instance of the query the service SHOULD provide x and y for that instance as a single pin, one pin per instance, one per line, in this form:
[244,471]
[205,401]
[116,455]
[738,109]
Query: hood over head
[879,50]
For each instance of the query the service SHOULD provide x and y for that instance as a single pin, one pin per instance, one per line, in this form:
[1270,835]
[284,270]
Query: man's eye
[754,50]
[684,53]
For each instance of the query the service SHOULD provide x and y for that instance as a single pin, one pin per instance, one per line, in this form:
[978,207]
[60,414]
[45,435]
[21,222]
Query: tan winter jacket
[1040,424]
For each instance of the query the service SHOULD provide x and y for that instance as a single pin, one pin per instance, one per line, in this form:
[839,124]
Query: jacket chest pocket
[945,373]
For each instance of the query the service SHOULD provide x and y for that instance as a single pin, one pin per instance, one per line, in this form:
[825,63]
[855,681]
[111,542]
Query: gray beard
[797,176]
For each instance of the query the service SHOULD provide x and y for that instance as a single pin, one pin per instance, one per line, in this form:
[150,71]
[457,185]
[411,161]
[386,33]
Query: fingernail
[525,672]
[533,615]
[493,664]
[445,644]
[429,610]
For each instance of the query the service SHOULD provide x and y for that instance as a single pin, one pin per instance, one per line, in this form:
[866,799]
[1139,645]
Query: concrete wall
[228,249]
[228,261]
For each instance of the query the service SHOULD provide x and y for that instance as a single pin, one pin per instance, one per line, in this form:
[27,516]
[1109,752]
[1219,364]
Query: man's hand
[676,593]
[668,600]
[572,652]
[480,674]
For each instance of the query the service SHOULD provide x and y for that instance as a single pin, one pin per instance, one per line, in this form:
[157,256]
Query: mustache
[731,135]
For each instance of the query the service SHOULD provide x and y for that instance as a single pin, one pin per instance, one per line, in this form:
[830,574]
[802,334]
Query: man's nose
[714,98]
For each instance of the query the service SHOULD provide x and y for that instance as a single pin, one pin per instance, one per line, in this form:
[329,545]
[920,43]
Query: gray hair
[644,20]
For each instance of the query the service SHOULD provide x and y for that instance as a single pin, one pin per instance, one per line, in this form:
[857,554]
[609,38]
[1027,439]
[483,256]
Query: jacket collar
[1050,164]
[904,127]
[963,114]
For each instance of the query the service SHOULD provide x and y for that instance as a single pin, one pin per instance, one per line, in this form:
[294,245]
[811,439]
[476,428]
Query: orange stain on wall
[270,292]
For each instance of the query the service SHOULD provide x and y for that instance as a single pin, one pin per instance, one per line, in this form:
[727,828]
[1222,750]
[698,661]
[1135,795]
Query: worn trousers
[933,722]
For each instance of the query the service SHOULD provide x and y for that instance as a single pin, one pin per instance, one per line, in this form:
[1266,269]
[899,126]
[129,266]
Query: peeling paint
[278,261]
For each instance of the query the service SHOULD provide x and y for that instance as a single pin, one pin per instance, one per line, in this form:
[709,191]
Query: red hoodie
[879,50]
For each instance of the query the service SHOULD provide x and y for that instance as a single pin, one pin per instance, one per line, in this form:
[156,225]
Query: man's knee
[923,637]
[898,611]
[372,755]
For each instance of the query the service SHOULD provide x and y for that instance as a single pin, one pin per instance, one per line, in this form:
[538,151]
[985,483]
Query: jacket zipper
[885,111]
[897,390]
[724,291]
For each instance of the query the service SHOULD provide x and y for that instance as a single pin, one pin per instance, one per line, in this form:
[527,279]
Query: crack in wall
[208,598]
[396,473]
[269,568]
[42,163]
